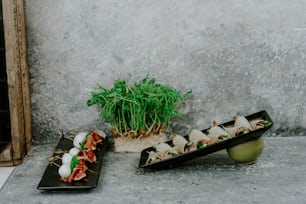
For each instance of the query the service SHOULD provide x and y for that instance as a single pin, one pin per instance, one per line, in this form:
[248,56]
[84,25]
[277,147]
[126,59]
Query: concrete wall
[236,56]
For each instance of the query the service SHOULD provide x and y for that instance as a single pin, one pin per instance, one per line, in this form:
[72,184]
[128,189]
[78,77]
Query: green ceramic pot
[246,152]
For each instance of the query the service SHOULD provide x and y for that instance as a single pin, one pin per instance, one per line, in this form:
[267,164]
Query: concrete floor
[5,172]
[278,176]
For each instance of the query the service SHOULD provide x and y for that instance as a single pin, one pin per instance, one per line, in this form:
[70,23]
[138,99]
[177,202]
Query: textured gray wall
[237,55]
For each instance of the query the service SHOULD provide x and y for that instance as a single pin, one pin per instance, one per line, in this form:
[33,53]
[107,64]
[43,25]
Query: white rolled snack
[199,139]
[163,151]
[233,131]
[257,124]
[166,150]
[180,143]
[163,147]
[154,157]
[243,123]
[197,135]
[217,133]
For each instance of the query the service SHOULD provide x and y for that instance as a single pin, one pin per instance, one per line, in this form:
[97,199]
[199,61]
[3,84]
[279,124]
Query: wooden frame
[18,83]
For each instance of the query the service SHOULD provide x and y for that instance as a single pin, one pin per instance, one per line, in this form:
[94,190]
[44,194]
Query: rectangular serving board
[51,179]
[170,162]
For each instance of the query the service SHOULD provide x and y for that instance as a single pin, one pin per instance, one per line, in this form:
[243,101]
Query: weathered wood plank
[18,78]
[10,163]
[24,73]
[13,76]
[6,154]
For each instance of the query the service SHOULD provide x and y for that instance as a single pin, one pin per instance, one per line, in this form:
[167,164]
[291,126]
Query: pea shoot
[138,110]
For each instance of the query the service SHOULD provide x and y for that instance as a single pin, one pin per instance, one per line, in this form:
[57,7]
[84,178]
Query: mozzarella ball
[66,158]
[74,151]
[64,171]
[79,138]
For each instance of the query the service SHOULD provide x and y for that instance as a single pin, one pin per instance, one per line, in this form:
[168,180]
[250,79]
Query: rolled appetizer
[234,131]
[259,123]
[199,139]
[243,123]
[164,147]
[180,144]
[216,133]
[163,151]
[155,157]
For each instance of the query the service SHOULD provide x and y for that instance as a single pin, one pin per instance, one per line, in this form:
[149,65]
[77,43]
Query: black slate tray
[50,179]
[167,163]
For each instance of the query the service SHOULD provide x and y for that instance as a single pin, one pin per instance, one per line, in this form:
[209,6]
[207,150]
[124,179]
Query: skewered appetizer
[87,141]
[87,155]
[74,166]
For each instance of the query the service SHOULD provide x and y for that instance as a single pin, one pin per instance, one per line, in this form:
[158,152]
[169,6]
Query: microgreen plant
[139,108]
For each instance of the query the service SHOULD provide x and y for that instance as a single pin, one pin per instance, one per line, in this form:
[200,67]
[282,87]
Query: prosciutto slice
[90,143]
[87,155]
[98,136]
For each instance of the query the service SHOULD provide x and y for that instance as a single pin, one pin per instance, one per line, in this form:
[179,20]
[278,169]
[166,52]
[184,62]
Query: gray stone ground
[277,177]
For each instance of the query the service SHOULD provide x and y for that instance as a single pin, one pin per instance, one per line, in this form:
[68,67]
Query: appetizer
[243,123]
[88,141]
[180,144]
[74,166]
[243,126]
[87,155]
[73,170]
[199,139]
[259,123]
[216,133]
[233,131]
[163,151]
